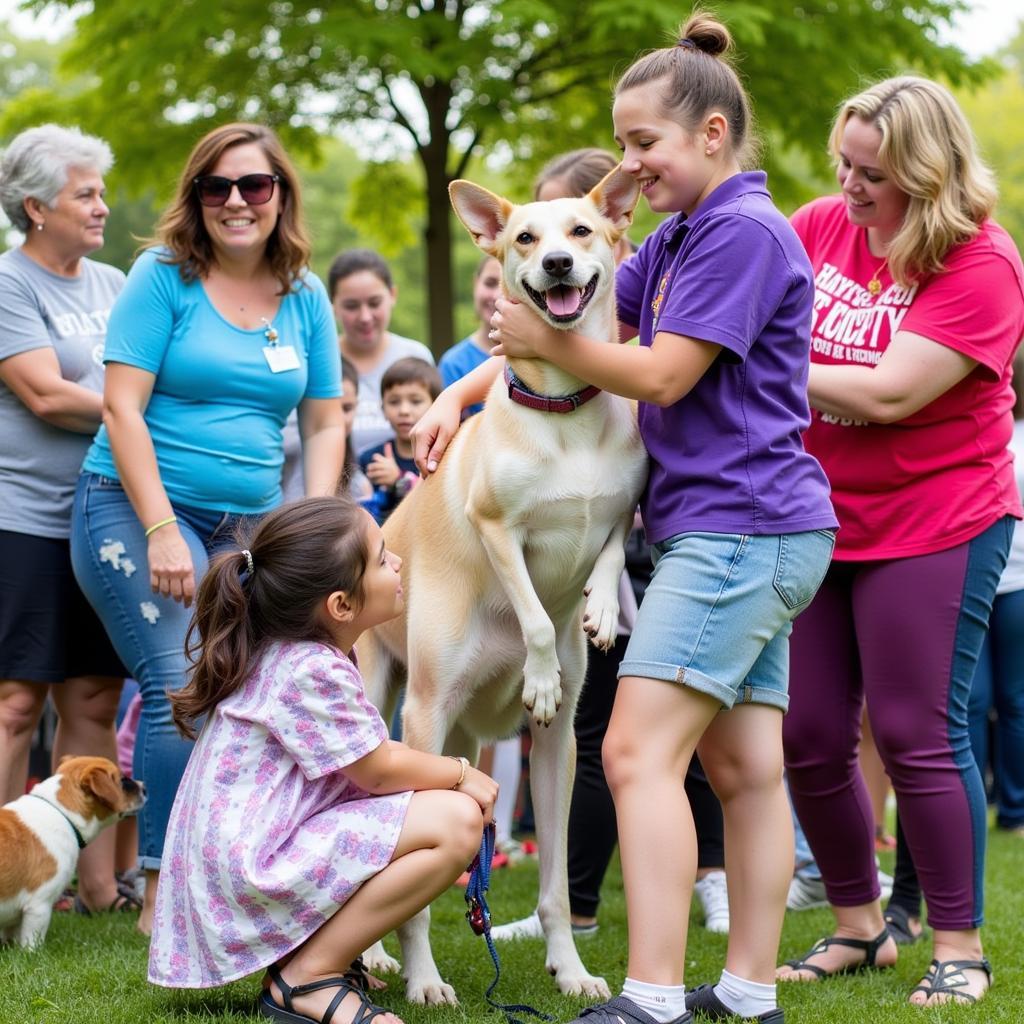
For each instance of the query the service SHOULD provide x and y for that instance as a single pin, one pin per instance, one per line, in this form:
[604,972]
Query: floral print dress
[268,837]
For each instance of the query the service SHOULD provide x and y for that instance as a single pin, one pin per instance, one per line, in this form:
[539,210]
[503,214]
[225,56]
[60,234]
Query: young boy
[407,389]
[474,349]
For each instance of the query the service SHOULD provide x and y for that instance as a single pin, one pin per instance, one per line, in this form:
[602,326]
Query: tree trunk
[438,233]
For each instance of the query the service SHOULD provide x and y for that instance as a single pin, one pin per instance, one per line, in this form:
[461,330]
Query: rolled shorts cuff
[149,863]
[725,695]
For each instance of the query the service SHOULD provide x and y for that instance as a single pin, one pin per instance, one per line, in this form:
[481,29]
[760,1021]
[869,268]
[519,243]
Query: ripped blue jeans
[108,554]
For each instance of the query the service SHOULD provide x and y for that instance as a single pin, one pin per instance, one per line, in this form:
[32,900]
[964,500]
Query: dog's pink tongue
[563,301]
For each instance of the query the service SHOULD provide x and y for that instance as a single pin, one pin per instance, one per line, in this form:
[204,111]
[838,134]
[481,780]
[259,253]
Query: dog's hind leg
[423,727]
[552,769]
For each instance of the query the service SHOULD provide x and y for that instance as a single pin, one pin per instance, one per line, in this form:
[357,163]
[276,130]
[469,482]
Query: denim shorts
[719,609]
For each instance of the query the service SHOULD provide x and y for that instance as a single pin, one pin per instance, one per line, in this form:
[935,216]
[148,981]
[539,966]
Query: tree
[996,113]
[454,78]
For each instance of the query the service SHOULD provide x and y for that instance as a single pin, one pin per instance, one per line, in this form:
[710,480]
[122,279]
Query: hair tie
[250,565]
[688,43]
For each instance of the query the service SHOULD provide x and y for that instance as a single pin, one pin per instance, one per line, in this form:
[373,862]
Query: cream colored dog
[42,833]
[513,550]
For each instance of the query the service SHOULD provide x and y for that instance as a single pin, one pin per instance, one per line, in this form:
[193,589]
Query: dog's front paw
[433,992]
[378,961]
[542,696]
[586,985]
[601,617]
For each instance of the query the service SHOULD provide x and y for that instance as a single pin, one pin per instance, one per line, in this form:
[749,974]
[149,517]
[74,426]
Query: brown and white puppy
[513,550]
[42,833]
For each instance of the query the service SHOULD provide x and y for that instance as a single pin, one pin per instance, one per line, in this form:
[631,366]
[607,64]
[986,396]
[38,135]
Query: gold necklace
[875,285]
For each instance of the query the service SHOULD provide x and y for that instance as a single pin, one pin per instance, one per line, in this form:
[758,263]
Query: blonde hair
[697,77]
[181,229]
[929,152]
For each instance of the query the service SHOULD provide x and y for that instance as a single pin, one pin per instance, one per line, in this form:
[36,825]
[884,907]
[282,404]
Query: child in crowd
[354,481]
[474,349]
[301,834]
[407,389]
[737,512]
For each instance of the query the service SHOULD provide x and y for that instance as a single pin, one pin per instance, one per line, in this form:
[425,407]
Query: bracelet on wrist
[163,522]
[463,765]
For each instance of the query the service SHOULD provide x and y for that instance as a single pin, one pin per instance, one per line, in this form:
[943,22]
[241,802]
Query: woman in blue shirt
[220,332]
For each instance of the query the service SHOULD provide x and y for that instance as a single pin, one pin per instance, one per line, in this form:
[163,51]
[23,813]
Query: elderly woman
[55,302]
[221,331]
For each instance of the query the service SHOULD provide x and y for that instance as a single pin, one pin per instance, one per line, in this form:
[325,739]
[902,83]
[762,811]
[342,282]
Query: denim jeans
[717,614]
[999,683]
[109,557]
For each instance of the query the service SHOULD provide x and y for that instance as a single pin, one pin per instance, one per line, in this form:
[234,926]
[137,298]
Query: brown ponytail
[300,553]
[697,77]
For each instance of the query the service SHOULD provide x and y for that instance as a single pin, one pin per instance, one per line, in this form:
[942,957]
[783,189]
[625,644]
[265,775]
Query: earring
[39,226]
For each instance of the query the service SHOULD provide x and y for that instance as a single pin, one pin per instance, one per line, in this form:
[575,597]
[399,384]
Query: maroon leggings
[904,635]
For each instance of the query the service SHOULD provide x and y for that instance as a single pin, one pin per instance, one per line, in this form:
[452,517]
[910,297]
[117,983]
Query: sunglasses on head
[255,189]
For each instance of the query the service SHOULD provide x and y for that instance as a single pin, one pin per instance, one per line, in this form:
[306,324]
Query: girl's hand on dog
[482,788]
[435,429]
[171,572]
[517,332]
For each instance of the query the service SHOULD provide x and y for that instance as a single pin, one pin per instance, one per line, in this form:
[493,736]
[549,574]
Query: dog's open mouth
[563,303]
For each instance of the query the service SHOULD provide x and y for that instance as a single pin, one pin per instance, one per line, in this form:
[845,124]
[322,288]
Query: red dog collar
[518,392]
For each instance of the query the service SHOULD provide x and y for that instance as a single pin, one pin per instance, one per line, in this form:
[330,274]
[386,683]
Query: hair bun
[704,33]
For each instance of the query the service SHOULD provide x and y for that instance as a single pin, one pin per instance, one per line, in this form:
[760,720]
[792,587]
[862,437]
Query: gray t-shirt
[371,428]
[39,463]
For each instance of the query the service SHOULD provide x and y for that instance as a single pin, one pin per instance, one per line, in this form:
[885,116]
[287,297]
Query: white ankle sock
[662,1002]
[747,998]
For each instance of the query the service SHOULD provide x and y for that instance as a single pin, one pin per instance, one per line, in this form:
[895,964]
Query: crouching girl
[301,834]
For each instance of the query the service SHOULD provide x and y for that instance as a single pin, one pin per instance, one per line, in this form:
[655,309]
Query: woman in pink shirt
[918,310]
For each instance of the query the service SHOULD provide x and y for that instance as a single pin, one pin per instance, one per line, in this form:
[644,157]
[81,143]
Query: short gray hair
[35,165]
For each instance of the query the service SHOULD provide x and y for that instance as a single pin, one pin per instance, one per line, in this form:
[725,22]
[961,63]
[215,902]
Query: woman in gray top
[55,305]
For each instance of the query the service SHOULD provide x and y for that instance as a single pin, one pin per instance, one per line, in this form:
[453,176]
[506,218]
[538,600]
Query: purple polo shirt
[728,457]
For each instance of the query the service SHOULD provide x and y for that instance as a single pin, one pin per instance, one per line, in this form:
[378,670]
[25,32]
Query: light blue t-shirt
[460,359]
[217,410]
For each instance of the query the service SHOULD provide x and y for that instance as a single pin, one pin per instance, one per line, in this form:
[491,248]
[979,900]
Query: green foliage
[456,81]
[996,113]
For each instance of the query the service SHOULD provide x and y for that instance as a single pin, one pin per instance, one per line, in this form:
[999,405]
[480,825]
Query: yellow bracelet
[163,522]
[463,765]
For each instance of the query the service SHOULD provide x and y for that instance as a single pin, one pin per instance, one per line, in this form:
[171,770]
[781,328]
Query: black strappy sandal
[869,947]
[268,1008]
[898,919]
[622,1010]
[947,978]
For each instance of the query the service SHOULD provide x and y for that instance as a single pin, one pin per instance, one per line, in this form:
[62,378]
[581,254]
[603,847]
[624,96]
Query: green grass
[92,970]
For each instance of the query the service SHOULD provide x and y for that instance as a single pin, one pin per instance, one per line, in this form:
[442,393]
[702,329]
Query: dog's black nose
[558,264]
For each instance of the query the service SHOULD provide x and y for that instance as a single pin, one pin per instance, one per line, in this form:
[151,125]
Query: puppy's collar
[522,395]
[74,827]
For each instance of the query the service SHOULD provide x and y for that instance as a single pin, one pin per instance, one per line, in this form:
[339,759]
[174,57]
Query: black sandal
[704,1003]
[946,978]
[268,1008]
[124,902]
[869,947]
[898,920]
[622,1010]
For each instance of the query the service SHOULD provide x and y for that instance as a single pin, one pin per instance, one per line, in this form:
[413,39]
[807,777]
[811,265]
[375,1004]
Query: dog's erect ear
[616,195]
[101,783]
[484,214]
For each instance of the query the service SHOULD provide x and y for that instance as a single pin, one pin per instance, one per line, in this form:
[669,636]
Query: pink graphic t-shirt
[943,475]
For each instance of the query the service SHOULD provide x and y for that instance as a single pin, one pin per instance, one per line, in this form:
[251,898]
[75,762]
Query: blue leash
[479,917]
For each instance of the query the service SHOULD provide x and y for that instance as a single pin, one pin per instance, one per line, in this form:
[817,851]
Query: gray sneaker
[806,893]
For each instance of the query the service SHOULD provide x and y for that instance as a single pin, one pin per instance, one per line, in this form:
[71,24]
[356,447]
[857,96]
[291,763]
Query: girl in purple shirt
[737,512]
